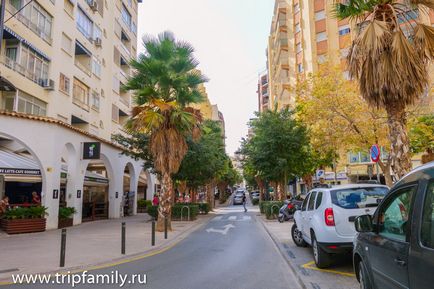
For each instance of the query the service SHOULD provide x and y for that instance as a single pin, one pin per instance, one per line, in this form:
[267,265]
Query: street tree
[278,149]
[339,120]
[422,136]
[165,81]
[390,57]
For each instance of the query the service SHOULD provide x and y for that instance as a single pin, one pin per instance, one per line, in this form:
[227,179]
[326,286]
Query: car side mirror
[363,224]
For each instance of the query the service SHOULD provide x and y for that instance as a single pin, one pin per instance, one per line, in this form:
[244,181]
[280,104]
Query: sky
[230,39]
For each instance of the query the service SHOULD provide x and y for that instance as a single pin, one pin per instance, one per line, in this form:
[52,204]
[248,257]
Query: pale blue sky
[230,38]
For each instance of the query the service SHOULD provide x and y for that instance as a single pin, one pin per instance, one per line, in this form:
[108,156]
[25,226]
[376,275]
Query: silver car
[238,197]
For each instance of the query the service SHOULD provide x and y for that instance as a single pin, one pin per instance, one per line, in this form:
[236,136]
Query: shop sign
[6,171]
[96,180]
[55,194]
[91,150]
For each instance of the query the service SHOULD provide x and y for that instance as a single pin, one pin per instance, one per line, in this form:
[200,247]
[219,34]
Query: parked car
[326,219]
[238,197]
[395,246]
[254,195]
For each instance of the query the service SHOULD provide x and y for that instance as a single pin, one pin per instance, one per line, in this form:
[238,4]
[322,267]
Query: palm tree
[390,57]
[165,82]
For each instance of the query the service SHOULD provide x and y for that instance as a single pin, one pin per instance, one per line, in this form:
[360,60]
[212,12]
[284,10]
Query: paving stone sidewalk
[87,245]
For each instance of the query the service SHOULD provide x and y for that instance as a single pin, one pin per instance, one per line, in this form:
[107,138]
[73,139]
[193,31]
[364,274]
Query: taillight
[329,217]
[290,206]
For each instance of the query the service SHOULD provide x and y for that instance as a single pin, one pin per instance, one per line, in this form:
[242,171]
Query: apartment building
[63,63]
[263,93]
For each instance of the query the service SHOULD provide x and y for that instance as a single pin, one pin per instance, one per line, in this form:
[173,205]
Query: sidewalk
[87,245]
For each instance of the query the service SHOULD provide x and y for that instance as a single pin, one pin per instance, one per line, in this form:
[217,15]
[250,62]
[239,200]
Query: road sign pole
[378,173]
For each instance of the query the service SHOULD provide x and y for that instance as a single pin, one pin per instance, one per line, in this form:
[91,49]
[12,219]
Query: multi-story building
[63,64]
[304,35]
[263,93]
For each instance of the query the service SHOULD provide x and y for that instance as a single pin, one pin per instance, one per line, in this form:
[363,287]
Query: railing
[124,101]
[83,67]
[29,24]
[17,67]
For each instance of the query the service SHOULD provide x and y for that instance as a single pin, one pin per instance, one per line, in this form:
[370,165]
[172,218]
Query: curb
[123,260]
[276,242]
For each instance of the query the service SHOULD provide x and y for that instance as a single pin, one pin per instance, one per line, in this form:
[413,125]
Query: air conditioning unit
[48,84]
[93,5]
[97,41]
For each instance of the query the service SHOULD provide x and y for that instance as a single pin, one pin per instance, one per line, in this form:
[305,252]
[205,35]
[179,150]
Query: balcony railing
[29,24]
[86,69]
[17,67]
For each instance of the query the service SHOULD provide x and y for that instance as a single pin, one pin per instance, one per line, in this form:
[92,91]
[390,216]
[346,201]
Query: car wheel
[297,237]
[321,258]
[363,277]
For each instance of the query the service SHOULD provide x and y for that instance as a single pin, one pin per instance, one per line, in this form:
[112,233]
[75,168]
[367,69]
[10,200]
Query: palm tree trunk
[165,208]
[385,168]
[398,137]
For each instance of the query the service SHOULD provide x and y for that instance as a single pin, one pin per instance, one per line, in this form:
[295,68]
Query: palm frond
[424,40]
[353,9]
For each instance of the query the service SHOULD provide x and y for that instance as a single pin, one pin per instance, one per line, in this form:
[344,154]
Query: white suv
[326,218]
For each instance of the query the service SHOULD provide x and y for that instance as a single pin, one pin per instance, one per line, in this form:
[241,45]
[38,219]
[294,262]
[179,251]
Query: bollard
[153,233]
[123,239]
[62,248]
[165,227]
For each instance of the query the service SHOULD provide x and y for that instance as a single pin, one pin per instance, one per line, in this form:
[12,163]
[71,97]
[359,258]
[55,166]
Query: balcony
[17,67]
[83,58]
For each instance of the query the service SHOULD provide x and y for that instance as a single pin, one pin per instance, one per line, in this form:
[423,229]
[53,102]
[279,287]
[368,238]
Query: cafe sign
[27,172]
[91,150]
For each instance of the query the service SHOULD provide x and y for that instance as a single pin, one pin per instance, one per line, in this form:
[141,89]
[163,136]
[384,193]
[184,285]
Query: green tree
[164,83]
[390,57]
[278,150]
[422,136]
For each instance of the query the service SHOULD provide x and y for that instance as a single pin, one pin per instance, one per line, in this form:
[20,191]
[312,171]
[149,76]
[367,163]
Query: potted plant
[66,217]
[24,220]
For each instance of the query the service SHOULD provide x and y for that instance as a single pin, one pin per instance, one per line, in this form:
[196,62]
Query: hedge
[176,212]
[255,202]
[270,208]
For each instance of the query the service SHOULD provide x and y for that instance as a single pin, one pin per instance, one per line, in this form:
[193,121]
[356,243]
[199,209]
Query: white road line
[232,218]
[218,218]
[246,218]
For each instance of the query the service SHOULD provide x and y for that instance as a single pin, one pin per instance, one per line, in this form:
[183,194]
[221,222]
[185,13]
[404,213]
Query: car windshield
[355,198]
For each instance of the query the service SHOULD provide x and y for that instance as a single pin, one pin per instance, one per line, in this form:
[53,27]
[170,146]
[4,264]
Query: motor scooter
[286,212]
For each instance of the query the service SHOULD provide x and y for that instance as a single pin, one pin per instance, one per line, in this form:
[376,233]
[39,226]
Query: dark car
[395,247]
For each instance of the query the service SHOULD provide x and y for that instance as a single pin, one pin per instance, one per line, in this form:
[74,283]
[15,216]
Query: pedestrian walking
[244,202]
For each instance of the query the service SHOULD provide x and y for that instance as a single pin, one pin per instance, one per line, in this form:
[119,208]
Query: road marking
[218,218]
[223,232]
[247,218]
[311,265]
[232,218]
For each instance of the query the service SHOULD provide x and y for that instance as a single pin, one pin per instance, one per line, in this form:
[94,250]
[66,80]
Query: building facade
[63,64]
[263,93]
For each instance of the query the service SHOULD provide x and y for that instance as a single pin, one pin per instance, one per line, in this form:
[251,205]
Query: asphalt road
[232,251]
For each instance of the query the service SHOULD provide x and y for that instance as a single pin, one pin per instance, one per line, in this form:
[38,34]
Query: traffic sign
[375,153]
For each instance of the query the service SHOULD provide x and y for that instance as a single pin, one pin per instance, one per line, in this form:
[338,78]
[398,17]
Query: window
[95,101]
[358,198]
[69,7]
[116,85]
[321,36]
[31,64]
[34,17]
[311,201]
[344,30]
[84,24]
[64,83]
[97,33]
[66,43]
[115,113]
[126,16]
[296,8]
[134,28]
[298,48]
[96,67]
[304,205]
[318,200]
[297,28]
[300,68]
[322,58]
[320,15]
[393,218]
[31,105]
[8,102]
[427,231]
[80,94]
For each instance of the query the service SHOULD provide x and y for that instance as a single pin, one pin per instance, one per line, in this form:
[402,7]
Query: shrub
[271,209]
[26,213]
[66,213]
[152,211]
[255,202]
[204,208]
[144,203]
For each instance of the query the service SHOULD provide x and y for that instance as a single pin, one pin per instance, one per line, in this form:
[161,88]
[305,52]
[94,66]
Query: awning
[6,85]
[9,33]
[15,164]
[80,49]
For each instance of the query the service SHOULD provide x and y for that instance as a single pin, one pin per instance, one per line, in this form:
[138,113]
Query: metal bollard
[123,239]
[165,227]
[63,248]
[153,233]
